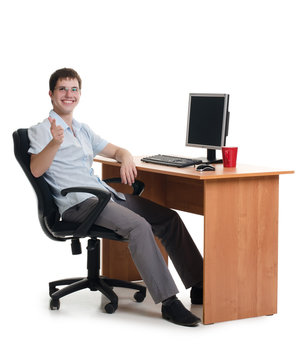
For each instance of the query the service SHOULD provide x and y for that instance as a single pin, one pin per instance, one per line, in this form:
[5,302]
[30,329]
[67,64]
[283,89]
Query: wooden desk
[240,208]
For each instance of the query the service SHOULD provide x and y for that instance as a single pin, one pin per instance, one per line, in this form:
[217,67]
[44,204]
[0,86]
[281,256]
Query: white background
[139,60]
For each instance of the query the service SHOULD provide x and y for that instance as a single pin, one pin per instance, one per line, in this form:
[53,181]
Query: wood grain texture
[240,248]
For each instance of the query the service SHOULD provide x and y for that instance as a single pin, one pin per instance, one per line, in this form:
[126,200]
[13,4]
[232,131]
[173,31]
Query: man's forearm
[41,162]
[122,155]
[128,170]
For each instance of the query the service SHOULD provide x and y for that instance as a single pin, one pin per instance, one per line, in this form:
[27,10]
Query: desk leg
[240,248]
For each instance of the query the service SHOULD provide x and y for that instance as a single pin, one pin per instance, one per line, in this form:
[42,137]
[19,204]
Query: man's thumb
[52,121]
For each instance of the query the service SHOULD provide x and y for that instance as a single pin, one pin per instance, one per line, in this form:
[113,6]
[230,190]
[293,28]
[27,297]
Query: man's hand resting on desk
[128,171]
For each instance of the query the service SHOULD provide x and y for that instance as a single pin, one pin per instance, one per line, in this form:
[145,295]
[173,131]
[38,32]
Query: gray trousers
[139,220]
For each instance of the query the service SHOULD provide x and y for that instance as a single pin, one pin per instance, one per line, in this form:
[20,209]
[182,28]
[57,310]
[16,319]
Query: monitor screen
[207,123]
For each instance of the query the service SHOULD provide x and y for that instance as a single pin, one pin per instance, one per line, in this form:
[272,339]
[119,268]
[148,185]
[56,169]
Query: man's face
[65,96]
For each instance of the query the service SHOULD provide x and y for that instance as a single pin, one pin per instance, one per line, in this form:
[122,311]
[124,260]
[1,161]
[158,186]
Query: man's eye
[74,89]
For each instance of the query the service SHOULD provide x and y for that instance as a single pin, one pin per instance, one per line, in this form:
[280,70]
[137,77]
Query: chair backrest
[47,210]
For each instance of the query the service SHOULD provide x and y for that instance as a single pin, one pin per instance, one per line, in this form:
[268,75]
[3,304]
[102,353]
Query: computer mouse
[205,167]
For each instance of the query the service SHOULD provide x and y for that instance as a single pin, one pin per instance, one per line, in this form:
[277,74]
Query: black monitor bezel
[224,121]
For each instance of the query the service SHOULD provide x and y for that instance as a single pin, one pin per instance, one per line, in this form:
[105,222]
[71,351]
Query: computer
[207,127]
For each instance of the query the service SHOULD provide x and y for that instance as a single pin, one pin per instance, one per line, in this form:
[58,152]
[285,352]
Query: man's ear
[50,93]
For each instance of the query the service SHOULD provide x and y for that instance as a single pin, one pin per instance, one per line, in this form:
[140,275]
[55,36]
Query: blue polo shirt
[72,165]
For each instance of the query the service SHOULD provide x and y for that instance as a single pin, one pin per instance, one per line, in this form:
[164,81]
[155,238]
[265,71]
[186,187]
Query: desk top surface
[191,172]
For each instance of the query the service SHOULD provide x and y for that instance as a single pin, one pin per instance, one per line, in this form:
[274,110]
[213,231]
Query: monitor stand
[211,158]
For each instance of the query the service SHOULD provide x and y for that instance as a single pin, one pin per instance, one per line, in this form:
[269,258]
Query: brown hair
[63,74]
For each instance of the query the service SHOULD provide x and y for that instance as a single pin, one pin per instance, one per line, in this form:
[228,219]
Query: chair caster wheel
[54,304]
[139,297]
[110,308]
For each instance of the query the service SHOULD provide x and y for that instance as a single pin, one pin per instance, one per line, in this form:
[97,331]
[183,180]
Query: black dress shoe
[176,313]
[196,295]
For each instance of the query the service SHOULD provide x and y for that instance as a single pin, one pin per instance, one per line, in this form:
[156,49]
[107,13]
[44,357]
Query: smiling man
[62,150]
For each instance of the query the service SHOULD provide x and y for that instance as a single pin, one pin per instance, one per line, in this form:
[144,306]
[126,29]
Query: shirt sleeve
[98,144]
[39,136]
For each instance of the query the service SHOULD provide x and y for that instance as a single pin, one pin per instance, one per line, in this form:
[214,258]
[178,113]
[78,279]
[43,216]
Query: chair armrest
[103,199]
[138,185]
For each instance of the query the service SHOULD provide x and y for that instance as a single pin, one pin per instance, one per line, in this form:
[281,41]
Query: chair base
[94,282]
[102,284]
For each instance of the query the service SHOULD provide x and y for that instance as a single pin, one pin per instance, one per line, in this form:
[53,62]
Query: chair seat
[66,229]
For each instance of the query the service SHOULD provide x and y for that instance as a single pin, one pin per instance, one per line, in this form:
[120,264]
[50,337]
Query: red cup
[229,156]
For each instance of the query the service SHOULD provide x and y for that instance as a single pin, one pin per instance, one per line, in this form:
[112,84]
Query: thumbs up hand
[57,131]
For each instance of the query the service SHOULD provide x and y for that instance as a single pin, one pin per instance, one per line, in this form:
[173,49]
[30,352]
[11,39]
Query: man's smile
[68,101]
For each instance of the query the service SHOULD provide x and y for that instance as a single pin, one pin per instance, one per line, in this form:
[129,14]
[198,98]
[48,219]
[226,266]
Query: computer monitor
[207,124]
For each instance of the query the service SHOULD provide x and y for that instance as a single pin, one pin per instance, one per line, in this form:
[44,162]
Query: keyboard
[168,160]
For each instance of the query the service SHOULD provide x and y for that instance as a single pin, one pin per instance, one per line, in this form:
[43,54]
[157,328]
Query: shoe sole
[165,317]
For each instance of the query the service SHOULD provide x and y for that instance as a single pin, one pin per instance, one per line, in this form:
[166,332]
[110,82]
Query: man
[62,150]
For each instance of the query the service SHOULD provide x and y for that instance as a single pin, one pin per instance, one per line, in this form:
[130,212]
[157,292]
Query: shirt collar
[61,122]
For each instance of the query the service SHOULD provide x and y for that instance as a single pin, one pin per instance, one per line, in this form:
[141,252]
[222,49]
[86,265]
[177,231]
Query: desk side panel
[240,248]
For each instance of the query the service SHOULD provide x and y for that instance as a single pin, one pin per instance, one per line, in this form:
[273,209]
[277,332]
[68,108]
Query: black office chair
[59,230]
